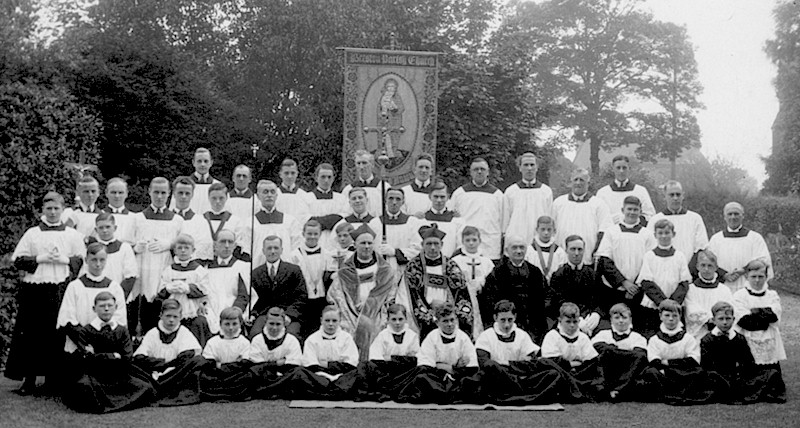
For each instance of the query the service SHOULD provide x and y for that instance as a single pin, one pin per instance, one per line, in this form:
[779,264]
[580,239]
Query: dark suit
[525,287]
[287,291]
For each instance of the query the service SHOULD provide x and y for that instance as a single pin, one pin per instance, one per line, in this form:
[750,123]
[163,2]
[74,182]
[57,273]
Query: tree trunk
[594,152]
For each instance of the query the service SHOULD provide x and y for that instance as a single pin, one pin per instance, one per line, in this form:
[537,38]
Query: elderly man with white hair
[581,213]
[520,282]
[736,246]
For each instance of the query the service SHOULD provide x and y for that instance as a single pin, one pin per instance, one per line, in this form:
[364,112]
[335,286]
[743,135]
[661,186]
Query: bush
[40,129]
[8,306]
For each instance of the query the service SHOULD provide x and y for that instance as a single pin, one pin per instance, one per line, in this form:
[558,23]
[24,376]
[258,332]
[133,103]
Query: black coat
[525,287]
[287,291]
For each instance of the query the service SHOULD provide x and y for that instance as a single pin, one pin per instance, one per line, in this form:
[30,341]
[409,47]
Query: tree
[783,165]
[589,59]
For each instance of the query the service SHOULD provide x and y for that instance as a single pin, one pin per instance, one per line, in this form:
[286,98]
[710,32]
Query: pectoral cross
[384,137]
[81,167]
[472,263]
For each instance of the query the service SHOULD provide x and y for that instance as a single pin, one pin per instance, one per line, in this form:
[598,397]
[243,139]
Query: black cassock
[426,384]
[621,368]
[305,384]
[229,382]
[106,383]
[525,286]
[538,381]
[735,376]
[181,385]
[378,380]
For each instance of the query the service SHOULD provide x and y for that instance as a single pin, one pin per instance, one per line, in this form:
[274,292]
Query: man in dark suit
[278,284]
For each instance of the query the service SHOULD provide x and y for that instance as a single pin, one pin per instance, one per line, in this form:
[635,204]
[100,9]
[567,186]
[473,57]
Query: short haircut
[170,305]
[226,230]
[708,254]
[664,224]
[569,310]
[620,158]
[478,160]
[620,309]
[103,296]
[756,264]
[363,153]
[215,187]
[183,180]
[470,230]
[243,166]
[312,223]
[94,248]
[341,227]
[669,305]
[423,156]
[505,306]
[272,238]
[672,183]
[330,308]
[87,179]
[53,197]
[232,313]
[632,200]
[444,310]
[571,238]
[116,180]
[397,308]
[545,220]
[159,180]
[264,183]
[439,185]
[105,217]
[526,155]
[324,166]
[724,307]
[288,163]
[202,151]
[183,238]
[276,312]
[396,189]
[580,171]
[357,189]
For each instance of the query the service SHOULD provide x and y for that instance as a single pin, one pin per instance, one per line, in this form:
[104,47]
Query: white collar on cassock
[163,328]
[362,215]
[279,336]
[542,243]
[240,192]
[95,278]
[433,210]
[734,230]
[393,216]
[422,184]
[717,332]
[448,336]
[763,289]
[117,210]
[324,191]
[86,208]
[663,248]
[528,183]
[677,330]
[580,197]
[569,336]
[402,331]
[480,185]
[496,328]
[622,183]
[183,263]
[329,336]
[630,226]
[226,261]
[628,331]
[106,243]
[292,187]
[476,254]
[98,324]
[202,177]
[368,180]
[268,211]
[157,210]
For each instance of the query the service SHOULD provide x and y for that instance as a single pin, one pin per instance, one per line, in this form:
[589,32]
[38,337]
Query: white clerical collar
[709,281]
[541,243]
[480,185]
[319,189]
[86,208]
[117,210]
[496,328]
[225,261]
[240,192]
[183,263]
[528,183]
[393,216]
[402,330]
[278,337]
[201,177]
[630,226]
[289,188]
[475,254]
[106,243]
[437,212]
[660,247]
[163,328]
[98,324]
[579,266]
[47,223]
[569,336]
[216,212]
[626,332]
[734,230]
[448,336]
[362,215]
[515,264]
[677,329]
[762,291]
[95,278]
[717,332]
[422,184]
[157,210]
[368,180]
[622,183]
[581,197]
[268,211]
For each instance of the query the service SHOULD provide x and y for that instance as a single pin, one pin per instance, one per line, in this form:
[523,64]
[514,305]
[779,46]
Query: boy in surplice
[510,371]
[623,353]
[275,353]
[107,380]
[447,365]
[229,377]
[170,354]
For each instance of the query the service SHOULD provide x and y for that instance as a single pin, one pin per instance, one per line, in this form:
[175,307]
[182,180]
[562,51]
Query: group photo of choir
[414,294]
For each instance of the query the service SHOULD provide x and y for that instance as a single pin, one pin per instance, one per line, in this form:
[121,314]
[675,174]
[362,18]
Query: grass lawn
[16,411]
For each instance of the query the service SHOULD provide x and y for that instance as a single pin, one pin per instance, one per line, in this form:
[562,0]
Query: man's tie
[272,272]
